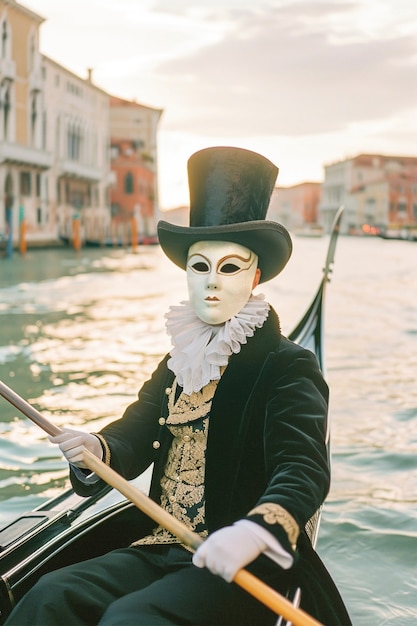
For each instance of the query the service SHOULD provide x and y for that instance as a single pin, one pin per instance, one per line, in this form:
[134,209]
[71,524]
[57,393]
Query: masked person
[234,420]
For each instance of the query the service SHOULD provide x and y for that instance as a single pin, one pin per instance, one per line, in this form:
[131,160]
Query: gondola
[71,528]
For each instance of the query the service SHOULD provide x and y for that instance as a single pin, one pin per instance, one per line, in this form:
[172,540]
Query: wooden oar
[269,597]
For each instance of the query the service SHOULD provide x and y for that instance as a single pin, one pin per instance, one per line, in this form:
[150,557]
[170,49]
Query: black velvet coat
[266,441]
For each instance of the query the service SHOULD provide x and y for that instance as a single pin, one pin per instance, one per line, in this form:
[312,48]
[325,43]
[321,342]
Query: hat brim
[270,241]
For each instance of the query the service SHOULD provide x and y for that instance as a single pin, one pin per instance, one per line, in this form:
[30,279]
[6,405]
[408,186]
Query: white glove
[229,549]
[72,442]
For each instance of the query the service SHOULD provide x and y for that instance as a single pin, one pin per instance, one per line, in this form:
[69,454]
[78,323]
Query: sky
[304,83]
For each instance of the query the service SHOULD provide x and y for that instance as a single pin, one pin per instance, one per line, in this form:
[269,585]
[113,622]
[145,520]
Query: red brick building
[133,158]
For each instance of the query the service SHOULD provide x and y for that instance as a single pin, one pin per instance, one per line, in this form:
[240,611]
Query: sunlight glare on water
[80,332]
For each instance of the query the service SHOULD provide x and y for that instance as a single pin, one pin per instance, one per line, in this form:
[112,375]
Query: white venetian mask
[220,277]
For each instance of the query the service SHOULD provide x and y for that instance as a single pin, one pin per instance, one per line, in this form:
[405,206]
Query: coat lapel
[229,417]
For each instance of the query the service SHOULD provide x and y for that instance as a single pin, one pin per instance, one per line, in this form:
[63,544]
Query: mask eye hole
[229,268]
[201,267]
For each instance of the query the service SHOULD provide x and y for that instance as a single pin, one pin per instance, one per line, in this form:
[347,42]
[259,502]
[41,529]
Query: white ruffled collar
[200,350]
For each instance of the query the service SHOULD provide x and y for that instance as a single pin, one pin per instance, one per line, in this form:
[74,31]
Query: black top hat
[230,190]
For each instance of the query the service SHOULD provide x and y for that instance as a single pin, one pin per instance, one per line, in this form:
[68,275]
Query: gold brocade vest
[183,480]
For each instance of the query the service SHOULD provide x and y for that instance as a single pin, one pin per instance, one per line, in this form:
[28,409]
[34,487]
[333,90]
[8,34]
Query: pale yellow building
[24,157]
[55,138]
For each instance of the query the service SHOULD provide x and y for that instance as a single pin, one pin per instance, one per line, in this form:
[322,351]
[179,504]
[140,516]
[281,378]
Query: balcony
[35,80]
[75,169]
[24,155]
[7,69]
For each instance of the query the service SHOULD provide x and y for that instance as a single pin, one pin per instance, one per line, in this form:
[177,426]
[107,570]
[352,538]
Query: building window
[129,183]
[25,183]
[74,89]
[74,139]
[6,111]
[44,130]
[39,215]
[33,117]
[402,210]
[32,50]
[38,185]
[4,36]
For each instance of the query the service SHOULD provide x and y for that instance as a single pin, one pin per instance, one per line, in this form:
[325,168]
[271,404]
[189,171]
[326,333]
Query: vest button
[186,438]
[162,421]
[168,390]
[156,445]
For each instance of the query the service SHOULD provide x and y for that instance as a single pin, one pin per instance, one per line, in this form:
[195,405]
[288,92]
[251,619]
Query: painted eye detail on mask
[229,268]
[200,266]
[228,265]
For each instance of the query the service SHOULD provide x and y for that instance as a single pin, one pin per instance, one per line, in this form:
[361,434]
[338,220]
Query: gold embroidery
[190,407]
[276,514]
[106,449]
[183,480]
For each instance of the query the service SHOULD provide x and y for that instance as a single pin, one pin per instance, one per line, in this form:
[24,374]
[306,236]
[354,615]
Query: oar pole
[243,578]
[269,597]
[28,410]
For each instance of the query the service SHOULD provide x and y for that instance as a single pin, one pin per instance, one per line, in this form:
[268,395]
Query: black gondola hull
[70,528]
[52,540]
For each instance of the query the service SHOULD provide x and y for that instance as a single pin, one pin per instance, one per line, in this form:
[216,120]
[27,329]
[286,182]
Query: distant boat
[407,232]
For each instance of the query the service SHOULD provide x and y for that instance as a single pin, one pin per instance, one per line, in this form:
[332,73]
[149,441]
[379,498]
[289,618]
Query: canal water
[81,331]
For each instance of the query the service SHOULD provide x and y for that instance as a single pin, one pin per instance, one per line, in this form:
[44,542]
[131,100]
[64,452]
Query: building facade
[55,147]
[296,207]
[379,193]
[77,135]
[24,156]
[134,158]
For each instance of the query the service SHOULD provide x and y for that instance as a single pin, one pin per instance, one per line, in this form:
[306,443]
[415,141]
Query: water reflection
[80,333]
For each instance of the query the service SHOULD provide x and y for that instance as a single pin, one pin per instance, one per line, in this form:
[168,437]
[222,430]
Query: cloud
[305,83]
[289,72]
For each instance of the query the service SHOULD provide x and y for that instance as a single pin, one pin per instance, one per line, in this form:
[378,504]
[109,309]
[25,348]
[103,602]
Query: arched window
[74,141]
[129,183]
[6,110]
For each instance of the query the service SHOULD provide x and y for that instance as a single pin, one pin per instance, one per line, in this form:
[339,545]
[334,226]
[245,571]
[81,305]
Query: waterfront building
[379,193]
[296,207]
[24,156]
[134,164]
[77,135]
[56,176]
